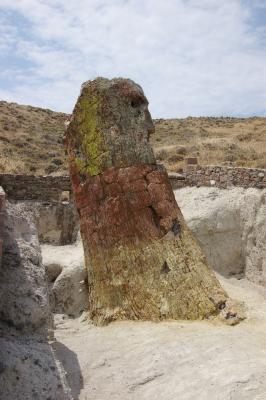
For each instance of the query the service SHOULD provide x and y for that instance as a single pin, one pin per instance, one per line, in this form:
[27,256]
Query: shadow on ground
[71,366]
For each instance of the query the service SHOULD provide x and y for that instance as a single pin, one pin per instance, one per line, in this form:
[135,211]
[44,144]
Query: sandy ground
[169,360]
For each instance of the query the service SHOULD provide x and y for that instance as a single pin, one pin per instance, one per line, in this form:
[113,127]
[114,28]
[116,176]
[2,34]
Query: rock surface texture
[23,289]
[231,228]
[57,222]
[142,260]
[222,177]
[2,210]
[28,365]
[67,278]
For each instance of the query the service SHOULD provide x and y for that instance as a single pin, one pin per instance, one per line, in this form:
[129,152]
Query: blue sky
[192,57]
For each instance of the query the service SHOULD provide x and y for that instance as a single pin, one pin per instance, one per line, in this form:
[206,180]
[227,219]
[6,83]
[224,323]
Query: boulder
[24,300]
[67,276]
[28,366]
[230,225]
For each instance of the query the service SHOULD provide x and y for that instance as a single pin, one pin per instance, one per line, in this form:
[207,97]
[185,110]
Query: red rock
[97,188]
[136,172]
[112,189]
[156,176]
[161,192]
[113,212]
[109,175]
[144,224]
[138,185]
[166,223]
[139,200]
[164,208]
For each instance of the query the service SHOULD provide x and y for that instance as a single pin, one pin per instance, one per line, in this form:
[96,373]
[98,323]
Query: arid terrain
[171,360]
[31,140]
[237,141]
[204,359]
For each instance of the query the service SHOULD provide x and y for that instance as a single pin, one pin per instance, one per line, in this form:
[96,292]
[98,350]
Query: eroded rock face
[28,365]
[67,278]
[29,369]
[142,260]
[23,290]
[230,225]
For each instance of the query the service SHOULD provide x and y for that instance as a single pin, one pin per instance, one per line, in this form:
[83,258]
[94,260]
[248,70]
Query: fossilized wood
[142,260]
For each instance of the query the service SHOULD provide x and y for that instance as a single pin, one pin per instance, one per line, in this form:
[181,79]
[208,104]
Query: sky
[191,57]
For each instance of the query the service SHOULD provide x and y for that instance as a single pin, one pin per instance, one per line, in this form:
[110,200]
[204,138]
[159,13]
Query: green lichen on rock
[91,141]
[110,127]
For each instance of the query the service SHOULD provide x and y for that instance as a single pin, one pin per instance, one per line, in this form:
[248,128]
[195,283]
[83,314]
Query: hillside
[31,140]
[236,141]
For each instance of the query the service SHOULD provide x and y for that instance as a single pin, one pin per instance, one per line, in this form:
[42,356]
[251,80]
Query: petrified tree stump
[142,260]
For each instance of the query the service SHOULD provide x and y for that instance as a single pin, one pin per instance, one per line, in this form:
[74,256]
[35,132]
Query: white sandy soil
[170,360]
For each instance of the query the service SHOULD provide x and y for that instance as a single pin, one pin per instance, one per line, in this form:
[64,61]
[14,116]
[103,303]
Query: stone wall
[220,176]
[52,188]
[2,207]
[30,187]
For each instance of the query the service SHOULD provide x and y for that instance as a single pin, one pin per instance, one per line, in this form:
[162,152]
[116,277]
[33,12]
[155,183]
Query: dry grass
[235,141]
[31,141]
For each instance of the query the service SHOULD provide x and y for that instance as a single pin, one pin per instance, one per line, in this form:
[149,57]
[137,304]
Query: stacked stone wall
[51,188]
[222,177]
[30,187]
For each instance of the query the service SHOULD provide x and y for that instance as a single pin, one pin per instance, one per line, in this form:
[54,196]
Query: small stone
[53,271]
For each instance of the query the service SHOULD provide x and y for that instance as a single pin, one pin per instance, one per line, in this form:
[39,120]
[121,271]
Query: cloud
[192,57]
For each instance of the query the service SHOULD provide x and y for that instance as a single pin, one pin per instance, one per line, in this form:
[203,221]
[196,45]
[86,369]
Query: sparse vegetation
[220,141]
[31,141]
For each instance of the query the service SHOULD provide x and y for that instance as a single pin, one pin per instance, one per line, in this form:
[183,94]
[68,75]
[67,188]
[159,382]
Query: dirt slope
[239,141]
[31,140]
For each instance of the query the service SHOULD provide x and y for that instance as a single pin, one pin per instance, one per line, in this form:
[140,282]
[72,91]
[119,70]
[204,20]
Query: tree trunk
[143,262]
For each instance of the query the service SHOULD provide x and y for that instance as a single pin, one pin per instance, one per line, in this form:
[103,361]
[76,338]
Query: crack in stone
[144,382]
